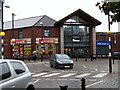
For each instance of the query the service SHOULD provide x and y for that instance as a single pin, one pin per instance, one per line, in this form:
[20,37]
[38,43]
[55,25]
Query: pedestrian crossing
[83,75]
[53,74]
[69,74]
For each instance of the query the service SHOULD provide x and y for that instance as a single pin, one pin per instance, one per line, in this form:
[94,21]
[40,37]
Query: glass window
[20,34]
[18,67]
[62,56]
[46,33]
[5,71]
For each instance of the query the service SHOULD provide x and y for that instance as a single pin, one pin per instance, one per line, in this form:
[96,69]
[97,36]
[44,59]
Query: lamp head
[2,33]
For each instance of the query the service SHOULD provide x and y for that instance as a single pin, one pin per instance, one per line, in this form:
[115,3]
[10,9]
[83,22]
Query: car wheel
[51,65]
[31,87]
[71,66]
[56,66]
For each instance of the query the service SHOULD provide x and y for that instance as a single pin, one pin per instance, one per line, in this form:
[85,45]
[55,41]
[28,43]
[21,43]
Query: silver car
[15,75]
[61,60]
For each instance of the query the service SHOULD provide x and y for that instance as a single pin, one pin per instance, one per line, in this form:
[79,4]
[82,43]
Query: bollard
[83,83]
[63,87]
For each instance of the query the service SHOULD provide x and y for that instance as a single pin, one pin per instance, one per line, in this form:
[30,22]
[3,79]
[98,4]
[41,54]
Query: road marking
[61,79]
[100,75]
[75,79]
[53,74]
[37,75]
[55,71]
[92,80]
[94,84]
[82,75]
[36,81]
[67,75]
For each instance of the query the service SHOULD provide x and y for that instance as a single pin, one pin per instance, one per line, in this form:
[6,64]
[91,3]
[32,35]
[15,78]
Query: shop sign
[20,41]
[48,40]
[103,43]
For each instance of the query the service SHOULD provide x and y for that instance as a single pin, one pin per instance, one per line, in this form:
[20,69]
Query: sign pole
[110,61]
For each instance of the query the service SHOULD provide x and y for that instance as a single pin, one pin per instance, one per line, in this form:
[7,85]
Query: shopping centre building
[74,35]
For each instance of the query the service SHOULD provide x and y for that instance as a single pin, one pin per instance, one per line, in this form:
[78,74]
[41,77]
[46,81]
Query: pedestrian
[16,55]
[41,56]
[34,56]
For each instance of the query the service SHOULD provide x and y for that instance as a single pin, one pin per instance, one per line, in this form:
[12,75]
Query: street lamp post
[13,39]
[2,33]
[41,23]
[110,61]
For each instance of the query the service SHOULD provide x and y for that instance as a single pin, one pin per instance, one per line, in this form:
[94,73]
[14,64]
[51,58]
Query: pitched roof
[28,22]
[83,15]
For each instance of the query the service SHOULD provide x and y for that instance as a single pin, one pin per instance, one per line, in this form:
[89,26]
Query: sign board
[103,43]
[48,40]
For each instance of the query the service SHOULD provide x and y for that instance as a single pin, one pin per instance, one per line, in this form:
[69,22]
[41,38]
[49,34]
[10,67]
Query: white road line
[82,75]
[61,79]
[94,84]
[53,74]
[67,75]
[75,79]
[55,71]
[100,75]
[37,75]
[36,81]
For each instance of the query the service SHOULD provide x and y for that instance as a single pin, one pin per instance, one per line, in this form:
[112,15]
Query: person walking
[16,55]
[34,56]
[41,56]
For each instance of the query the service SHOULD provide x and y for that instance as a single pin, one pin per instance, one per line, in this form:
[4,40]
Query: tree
[113,7]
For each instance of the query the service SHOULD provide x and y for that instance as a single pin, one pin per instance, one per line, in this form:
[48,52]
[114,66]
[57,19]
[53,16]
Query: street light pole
[2,41]
[110,61]
[2,33]
[41,23]
[13,33]
[13,23]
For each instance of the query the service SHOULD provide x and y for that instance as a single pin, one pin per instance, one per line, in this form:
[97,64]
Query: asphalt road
[96,74]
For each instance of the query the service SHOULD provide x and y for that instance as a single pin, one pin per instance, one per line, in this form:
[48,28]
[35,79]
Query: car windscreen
[62,56]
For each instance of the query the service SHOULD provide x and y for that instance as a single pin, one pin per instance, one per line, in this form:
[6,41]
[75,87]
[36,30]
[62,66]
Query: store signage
[20,41]
[48,40]
[103,43]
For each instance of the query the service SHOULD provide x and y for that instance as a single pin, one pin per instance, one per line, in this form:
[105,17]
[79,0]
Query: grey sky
[56,9]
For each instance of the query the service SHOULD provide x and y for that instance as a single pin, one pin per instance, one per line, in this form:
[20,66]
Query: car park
[15,75]
[61,60]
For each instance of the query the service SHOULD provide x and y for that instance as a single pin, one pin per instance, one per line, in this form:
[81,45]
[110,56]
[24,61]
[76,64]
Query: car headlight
[71,61]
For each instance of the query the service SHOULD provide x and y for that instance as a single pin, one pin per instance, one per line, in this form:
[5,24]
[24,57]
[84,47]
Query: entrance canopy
[80,18]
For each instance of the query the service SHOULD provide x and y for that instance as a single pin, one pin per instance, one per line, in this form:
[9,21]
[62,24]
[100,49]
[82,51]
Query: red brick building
[115,40]
[74,33]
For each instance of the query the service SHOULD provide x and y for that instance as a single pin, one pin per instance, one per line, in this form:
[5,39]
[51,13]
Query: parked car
[15,75]
[116,55]
[61,60]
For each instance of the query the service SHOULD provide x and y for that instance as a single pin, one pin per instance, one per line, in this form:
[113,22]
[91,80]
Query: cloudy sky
[56,9]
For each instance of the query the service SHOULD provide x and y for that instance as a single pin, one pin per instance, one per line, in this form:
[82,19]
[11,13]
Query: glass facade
[76,40]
